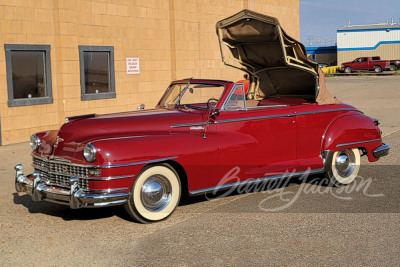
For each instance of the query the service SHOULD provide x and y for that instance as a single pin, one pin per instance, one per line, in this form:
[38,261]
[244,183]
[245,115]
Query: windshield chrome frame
[184,90]
[181,94]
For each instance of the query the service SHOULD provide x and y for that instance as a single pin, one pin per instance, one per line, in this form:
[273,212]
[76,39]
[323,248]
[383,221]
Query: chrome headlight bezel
[35,142]
[89,152]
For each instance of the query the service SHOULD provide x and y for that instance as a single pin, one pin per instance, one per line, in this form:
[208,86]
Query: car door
[362,64]
[254,142]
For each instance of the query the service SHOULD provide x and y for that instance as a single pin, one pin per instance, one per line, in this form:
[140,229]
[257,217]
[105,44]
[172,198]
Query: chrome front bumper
[381,151]
[75,197]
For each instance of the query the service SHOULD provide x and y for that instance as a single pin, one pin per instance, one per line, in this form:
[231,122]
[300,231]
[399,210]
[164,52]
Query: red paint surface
[260,142]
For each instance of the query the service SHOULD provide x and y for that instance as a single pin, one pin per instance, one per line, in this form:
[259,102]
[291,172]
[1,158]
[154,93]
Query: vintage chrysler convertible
[284,124]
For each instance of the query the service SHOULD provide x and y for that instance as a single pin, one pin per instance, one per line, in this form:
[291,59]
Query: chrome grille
[68,169]
[58,173]
[40,163]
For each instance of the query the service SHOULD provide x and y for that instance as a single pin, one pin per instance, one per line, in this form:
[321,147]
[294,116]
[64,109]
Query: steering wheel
[209,101]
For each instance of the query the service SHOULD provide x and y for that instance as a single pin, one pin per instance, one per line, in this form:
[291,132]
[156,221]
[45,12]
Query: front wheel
[392,67]
[155,194]
[343,166]
[347,70]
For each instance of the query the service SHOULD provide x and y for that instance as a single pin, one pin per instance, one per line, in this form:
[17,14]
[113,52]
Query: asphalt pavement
[296,222]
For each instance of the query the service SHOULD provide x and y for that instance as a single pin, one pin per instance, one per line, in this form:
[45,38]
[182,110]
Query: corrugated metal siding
[385,51]
[368,40]
[353,44]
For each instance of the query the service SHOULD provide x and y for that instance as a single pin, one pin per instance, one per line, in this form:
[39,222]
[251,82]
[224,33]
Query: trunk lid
[257,44]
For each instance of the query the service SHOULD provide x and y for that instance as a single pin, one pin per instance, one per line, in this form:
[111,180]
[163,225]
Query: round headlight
[34,142]
[89,152]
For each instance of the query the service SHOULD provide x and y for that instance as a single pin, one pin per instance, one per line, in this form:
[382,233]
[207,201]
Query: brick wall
[174,39]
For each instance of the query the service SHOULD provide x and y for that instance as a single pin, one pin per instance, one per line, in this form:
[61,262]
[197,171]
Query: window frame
[48,99]
[224,106]
[90,48]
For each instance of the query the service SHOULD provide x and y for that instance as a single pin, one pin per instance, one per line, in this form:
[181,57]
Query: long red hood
[146,122]
[75,134]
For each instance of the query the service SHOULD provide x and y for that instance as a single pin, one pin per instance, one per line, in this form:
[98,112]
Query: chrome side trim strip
[109,178]
[109,190]
[356,143]
[287,115]
[326,111]
[254,181]
[134,163]
[266,107]
[256,118]
[188,124]
[266,117]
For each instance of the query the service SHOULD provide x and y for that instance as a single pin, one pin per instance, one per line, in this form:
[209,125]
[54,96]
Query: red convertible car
[287,124]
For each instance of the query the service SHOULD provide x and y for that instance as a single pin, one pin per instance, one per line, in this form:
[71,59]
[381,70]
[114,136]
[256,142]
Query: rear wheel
[155,194]
[343,166]
[347,70]
[377,69]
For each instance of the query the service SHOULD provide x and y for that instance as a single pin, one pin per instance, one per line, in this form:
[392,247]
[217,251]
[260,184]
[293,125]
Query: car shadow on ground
[67,214]
[268,185]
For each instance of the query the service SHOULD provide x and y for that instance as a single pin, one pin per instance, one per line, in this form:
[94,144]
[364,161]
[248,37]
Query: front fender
[352,131]
[126,150]
[198,156]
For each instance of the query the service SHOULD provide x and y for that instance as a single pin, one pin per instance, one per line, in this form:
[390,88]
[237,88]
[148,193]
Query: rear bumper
[381,151]
[74,196]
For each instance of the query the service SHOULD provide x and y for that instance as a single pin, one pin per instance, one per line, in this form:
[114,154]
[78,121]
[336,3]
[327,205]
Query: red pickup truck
[365,64]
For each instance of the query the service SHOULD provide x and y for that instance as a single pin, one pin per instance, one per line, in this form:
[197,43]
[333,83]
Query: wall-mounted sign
[132,65]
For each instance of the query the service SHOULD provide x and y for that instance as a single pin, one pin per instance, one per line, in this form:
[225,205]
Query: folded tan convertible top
[278,63]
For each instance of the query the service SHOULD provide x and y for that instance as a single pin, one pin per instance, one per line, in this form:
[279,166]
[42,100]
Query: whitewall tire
[155,194]
[343,166]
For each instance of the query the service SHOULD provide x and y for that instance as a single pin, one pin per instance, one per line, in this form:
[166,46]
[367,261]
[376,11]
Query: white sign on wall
[132,65]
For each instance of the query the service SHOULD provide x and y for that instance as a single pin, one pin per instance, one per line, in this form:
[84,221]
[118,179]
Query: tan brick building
[68,57]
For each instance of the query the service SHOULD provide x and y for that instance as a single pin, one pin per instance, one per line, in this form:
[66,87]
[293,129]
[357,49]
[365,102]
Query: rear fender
[353,131]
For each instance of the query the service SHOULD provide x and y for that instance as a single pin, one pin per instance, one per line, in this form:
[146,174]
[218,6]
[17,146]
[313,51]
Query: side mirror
[215,113]
[141,107]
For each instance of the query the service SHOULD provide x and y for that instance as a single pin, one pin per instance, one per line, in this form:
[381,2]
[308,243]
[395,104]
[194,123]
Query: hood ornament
[55,145]
[58,140]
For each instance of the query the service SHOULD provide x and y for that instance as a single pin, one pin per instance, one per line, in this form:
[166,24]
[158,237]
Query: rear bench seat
[282,101]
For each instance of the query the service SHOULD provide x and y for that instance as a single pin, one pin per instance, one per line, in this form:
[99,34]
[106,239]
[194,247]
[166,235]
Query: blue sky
[321,19]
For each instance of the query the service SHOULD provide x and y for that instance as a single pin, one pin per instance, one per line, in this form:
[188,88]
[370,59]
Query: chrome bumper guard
[381,151]
[75,197]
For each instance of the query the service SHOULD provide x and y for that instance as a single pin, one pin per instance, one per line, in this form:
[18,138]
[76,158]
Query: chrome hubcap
[345,163]
[156,193]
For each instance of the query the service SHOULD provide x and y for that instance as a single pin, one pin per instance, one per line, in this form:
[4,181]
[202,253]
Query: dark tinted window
[28,74]
[97,72]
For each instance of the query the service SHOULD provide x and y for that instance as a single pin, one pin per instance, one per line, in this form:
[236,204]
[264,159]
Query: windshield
[195,95]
